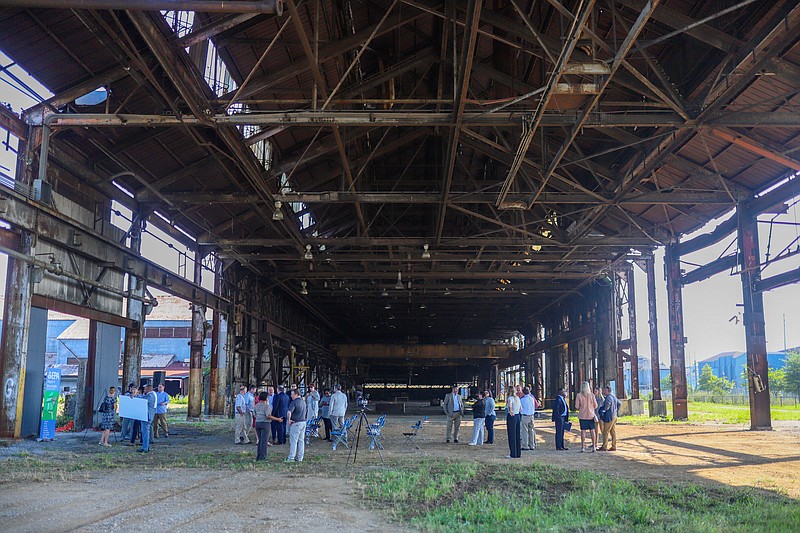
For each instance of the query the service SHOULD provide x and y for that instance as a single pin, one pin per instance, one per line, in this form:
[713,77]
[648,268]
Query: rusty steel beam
[420,351]
[323,90]
[203,6]
[461,87]
[672,271]
[754,326]
[14,340]
[652,320]
[9,121]
[531,127]
[195,405]
[757,148]
[134,334]
[523,242]
[511,202]
[315,119]
[634,349]
[219,332]
[621,52]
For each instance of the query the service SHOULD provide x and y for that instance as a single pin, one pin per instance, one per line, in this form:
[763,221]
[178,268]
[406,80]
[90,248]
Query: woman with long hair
[587,404]
[108,408]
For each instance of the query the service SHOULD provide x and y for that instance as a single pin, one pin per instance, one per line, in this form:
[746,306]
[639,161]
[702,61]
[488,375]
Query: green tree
[791,372]
[666,382]
[714,385]
[777,381]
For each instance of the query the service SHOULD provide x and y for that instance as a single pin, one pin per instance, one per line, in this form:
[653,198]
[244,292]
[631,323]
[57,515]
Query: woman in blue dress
[108,408]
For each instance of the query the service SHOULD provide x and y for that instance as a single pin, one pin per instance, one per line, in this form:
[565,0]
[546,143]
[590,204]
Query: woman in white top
[513,421]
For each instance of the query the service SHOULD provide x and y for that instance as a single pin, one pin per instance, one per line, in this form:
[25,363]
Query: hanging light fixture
[399,284]
[387,306]
[277,214]
[303,289]
[423,306]
[425,253]
[384,293]
[308,256]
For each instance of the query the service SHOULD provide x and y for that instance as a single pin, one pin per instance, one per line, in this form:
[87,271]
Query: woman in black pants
[513,420]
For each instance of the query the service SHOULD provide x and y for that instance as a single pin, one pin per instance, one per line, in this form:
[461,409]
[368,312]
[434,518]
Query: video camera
[362,400]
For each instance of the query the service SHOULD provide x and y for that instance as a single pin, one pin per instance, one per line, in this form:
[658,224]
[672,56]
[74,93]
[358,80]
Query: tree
[791,373]
[777,381]
[666,383]
[714,385]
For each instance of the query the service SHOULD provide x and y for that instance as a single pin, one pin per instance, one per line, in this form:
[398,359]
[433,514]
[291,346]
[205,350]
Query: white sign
[135,408]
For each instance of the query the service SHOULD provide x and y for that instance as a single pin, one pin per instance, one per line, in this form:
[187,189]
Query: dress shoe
[455,440]
[612,449]
[448,441]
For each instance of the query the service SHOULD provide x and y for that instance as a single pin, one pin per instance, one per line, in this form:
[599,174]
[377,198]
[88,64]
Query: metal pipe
[58,271]
[206,6]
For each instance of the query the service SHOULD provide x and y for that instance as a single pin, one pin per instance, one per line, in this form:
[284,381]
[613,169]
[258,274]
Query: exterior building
[731,365]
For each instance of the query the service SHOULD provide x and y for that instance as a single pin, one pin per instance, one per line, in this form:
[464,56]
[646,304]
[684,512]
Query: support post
[219,346]
[195,407]
[634,351]
[652,320]
[132,356]
[672,271]
[89,382]
[15,339]
[755,338]
[618,336]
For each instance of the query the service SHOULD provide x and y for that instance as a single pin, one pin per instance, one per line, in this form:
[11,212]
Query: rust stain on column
[672,270]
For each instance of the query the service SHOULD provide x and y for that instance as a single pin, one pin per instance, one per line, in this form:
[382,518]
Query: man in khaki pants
[453,407]
[610,404]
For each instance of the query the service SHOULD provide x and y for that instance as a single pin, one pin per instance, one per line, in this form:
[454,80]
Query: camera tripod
[362,419]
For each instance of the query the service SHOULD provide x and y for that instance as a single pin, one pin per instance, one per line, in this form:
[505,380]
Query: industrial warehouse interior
[474,222]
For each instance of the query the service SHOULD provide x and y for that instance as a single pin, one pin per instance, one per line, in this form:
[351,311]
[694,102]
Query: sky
[708,305]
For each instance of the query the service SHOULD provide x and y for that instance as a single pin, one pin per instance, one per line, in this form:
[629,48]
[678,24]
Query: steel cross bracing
[630,149]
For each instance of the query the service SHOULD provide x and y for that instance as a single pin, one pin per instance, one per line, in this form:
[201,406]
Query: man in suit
[560,417]
[453,407]
[152,401]
[279,408]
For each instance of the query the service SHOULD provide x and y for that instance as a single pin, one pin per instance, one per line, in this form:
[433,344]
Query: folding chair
[351,432]
[413,435]
[340,435]
[312,429]
[374,433]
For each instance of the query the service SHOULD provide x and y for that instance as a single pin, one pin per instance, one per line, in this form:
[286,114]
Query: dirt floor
[196,499]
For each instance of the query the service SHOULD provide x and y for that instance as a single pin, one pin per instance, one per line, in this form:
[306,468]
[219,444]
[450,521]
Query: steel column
[219,347]
[672,271]
[634,350]
[755,338]
[132,356]
[88,384]
[195,407]
[15,339]
[620,374]
[652,319]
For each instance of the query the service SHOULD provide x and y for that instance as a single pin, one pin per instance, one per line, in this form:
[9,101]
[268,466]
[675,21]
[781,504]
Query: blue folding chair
[312,429]
[413,435]
[340,435]
[374,433]
[351,432]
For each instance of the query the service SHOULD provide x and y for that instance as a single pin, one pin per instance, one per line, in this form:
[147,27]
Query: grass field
[437,495]
[721,413]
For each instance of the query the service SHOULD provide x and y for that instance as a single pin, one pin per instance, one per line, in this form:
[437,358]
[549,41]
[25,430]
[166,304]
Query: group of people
[597,414]
[133,430]
[277,416]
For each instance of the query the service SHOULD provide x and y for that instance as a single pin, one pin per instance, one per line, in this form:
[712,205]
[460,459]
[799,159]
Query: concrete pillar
[755,337]
[620,361]
[106,361]
[632,326]
[195,406]
[132,351]
[14,340]
[89,384]
[672,271]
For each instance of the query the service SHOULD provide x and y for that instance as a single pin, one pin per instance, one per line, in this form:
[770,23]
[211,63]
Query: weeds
[448,496]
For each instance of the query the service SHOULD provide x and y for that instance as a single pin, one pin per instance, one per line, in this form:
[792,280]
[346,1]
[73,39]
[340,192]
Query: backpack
[103,406]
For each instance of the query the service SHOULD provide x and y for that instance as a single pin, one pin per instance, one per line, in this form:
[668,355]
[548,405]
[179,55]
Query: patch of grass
[460,496]
[717,413]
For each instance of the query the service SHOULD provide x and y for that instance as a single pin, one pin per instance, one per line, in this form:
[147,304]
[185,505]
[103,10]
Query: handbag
[567,426]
